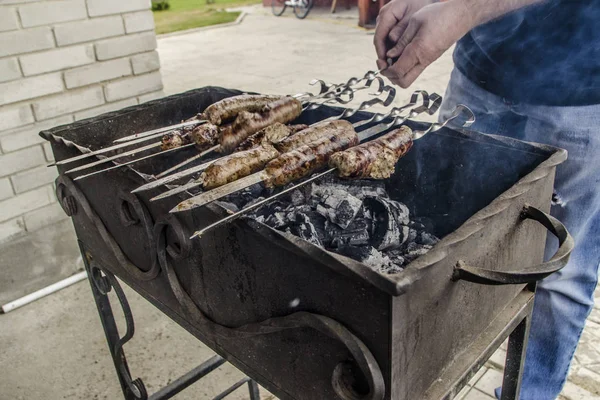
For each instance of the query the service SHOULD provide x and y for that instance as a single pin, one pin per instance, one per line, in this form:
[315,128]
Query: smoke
[547,53]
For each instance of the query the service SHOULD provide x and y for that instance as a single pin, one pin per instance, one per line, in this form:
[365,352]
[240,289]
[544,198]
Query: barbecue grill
[307,323]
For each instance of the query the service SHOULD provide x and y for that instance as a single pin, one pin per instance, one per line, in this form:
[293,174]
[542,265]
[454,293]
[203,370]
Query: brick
[126,45]
[145,62]
[139,21]
[48,152]
[13,116]
[51,12]
[11,229]
[6,189]
[88,30]
[25,202]
[67,102]
[33,178]
[105,7]
[58,59]
[9,69]
[21,160]
[133,86]
[97,72]
[151,96]
[26,136]
[8,19]
[44,216]
[25,41]
[29,88]
[105,108]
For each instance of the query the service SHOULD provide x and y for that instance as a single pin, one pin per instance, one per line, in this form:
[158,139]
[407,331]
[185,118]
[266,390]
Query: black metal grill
[311,324]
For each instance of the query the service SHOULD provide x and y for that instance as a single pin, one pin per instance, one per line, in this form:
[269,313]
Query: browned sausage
[229,108]
[307,159]
[375,159]
[237,165]
[283,110]
[316,132]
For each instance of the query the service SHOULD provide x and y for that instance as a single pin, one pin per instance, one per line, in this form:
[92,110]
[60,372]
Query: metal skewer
[376,118]
[134,151]
[345,114]
[232,187]
[416,136]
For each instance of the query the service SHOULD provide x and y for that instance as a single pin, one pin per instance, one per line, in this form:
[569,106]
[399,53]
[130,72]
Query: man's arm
[431,30]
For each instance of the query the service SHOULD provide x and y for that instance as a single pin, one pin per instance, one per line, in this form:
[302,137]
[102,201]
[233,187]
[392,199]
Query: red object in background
[368,11]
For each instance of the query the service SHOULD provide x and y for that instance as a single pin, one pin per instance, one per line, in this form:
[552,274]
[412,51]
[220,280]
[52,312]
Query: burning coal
[353,218]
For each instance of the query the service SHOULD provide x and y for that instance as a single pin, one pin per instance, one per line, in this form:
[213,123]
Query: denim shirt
[543,54]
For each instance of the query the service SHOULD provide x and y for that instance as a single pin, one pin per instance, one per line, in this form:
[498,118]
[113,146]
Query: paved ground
[55,349]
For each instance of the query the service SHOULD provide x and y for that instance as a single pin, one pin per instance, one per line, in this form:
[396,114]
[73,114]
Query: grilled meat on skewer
[237,165]
[283,110]
[315,132]
[229,108]
[203,136]
[375,159]
[307,159]
[271,134]
[244,163]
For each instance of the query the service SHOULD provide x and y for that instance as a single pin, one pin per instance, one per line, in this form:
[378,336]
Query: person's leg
[563,300]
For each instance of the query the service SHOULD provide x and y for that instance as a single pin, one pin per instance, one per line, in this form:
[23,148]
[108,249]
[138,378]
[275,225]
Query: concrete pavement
[55,348]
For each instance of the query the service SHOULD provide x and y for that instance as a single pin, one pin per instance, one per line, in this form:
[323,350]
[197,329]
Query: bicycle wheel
[302,9]
[278,7]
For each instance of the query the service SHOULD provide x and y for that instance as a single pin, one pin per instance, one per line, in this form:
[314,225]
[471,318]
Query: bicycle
[301,7]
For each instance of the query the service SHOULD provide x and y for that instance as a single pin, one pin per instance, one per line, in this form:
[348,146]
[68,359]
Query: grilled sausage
[174,139]
[230,107]
[205,135]
[283,110]
[237,165]
[271,134]
[316,132]
[375,159]
[308,158]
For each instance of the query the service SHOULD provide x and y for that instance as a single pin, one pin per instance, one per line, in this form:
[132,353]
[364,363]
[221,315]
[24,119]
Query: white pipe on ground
[43,292]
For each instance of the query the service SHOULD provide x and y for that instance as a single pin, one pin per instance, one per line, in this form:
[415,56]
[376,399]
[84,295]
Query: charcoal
[426,238]
[359,188]
[317,221]
[276,220]
[229,206]
[297,198]
[412,235]
[306,231]
[357,234]
[392,268]
[389,222]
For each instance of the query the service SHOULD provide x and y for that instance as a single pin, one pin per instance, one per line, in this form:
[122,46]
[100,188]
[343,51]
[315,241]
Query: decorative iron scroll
[69,194]
[104,284]
[342,377]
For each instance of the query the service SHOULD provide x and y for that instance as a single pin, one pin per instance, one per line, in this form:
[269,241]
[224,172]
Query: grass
[187,14]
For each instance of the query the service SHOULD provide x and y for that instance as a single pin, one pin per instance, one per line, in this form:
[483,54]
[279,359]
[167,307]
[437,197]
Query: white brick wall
[9,69]
[145,62]
[9,20]
[61,61]
[139,21]
[97,72]
[88,30]
[125,45]
[105,7]
[49,12]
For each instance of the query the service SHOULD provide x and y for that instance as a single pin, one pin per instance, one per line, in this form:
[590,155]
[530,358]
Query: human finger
[385,22]
[407,36]
[411,76]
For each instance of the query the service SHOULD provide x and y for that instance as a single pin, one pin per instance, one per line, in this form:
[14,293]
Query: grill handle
[528,275]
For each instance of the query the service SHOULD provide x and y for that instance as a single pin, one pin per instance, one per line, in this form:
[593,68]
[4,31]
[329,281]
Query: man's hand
[428,33]
[392,21]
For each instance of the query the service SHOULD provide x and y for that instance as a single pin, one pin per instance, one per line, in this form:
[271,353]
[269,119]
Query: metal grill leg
[515,357]
[110,329]
[253,389]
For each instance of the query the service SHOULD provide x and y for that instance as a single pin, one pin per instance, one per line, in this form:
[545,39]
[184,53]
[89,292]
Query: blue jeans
[564,299]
